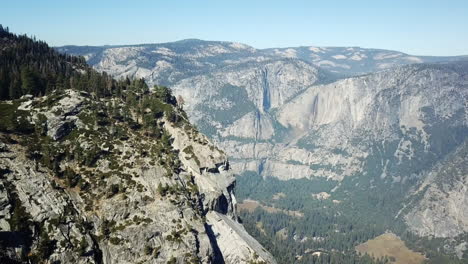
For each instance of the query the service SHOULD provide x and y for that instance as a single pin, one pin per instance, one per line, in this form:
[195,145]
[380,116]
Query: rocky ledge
[84,181]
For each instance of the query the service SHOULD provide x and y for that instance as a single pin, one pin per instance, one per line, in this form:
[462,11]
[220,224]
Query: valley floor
[391,246]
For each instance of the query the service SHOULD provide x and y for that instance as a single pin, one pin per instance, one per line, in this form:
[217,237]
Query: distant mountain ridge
[206,55]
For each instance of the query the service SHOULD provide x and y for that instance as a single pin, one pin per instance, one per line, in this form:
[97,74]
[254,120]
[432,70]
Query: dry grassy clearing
[282,234]
[259,226]
[392,246]
[248,205]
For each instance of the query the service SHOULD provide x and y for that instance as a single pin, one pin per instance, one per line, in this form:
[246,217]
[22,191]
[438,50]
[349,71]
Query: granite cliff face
[403,109]
[440,208]
[330,130]
[81,185]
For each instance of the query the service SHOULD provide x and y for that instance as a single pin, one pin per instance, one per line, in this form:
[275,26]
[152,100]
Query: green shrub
[13,120]
[115,240]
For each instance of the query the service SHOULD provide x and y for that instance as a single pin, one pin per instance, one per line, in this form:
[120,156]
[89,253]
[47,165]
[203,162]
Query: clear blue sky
[417,27]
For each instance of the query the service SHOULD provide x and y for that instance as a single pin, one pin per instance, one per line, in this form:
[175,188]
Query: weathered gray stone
[127,218]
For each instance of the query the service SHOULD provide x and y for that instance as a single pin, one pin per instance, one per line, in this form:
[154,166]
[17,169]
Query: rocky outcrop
[4,208]
[88,196]
[54,211]
[234,242]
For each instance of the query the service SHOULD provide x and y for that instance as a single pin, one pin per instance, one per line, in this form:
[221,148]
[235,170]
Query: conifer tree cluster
[29,66]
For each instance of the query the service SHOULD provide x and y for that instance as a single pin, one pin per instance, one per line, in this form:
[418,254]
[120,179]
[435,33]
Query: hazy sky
[417,27]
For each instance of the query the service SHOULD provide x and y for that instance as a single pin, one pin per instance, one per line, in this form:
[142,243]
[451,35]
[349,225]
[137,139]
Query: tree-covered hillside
[30,66]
